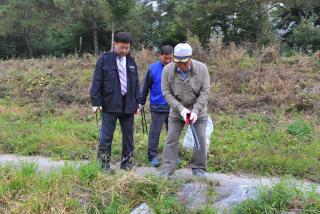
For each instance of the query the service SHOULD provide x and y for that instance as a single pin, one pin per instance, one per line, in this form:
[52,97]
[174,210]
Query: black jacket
[105,89]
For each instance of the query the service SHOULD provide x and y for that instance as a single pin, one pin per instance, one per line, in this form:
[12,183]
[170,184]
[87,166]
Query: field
[266,113]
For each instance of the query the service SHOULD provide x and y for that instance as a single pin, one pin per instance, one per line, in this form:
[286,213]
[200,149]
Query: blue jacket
[152,82]
[105,89]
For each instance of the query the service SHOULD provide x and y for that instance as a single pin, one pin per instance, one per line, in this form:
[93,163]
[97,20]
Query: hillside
[265,110]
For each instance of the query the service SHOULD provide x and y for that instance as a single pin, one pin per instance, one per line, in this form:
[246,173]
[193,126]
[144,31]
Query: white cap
[182,52]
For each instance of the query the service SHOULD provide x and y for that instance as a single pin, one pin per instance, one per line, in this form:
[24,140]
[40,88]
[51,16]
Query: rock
[315,90]
[142,209]
[242,193]
[292,212]
[194,195]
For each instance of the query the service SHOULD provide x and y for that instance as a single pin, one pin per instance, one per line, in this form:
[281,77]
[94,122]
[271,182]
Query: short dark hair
[123,37]
[165,50]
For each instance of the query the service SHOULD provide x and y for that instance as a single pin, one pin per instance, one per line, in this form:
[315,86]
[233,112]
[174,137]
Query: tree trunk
[259,32]
[95,37]
[112,34]
[28,42]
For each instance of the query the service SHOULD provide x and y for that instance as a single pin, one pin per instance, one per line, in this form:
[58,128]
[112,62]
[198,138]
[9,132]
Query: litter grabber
[97,125]
[144,122]
[194,134]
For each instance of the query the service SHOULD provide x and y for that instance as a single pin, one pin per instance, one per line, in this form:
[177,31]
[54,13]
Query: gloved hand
[141,106]
[184,113]
[96,108]
[193,117]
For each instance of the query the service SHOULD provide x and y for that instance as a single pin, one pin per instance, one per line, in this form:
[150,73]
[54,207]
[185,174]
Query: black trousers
[109,121]
[157,121]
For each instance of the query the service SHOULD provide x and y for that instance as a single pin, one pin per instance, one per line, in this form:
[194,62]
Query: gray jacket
[191,93]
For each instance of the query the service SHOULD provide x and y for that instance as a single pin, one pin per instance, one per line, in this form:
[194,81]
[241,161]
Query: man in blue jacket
[115,91]
[159,107]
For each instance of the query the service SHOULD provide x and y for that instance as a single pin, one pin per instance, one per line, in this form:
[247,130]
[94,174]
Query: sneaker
[127,166]
[154,162]
[166,175]
[178,161]
[198,172]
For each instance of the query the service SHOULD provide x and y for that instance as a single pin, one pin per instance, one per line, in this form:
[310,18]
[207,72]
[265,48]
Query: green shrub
[89,172]
[300,128]
[283,196]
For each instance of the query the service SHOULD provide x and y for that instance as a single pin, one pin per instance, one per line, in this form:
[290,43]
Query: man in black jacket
[115,92]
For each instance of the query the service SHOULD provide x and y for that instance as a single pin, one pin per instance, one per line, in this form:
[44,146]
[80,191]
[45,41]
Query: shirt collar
[179,71]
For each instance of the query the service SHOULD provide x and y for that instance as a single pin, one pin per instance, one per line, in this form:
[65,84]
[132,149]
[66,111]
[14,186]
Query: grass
[255,143]
[260,144]
[84,190]
[282,197]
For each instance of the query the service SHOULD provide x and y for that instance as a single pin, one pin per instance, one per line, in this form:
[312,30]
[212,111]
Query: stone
[194,195]
[242,193]
[142,209]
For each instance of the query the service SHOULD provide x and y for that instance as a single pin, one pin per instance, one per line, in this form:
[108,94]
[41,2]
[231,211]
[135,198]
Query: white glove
[184,113]
[193,117]
[96,108]
[141,106]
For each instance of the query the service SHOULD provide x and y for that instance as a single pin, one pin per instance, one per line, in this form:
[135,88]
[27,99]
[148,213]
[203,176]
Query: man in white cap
[185,86]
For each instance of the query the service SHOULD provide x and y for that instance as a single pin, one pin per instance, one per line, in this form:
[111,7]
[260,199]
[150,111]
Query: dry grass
[240,82]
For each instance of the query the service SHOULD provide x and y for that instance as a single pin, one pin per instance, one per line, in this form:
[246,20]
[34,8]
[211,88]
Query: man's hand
[193,117]
[96,108]
[184,113]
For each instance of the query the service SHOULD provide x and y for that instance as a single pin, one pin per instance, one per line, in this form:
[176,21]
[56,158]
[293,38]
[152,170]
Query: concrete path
[227,183]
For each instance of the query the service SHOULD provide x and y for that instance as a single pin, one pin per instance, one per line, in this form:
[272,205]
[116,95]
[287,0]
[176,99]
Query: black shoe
[166,175]
[108,169]
[127,166]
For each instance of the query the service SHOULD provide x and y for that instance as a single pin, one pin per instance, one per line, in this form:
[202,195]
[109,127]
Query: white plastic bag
[188,141]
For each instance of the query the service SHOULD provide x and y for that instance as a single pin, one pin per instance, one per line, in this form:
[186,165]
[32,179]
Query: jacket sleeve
[147,82]
[167,91]
[202,99]
[96,87]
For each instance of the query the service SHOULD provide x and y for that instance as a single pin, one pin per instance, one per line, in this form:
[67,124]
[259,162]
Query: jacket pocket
[108,87]
[195,86]
[109,73]
[178,89]
[191,91]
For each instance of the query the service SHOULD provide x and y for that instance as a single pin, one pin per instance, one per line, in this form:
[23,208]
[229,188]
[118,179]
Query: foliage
[34,28]
[300,128]
[306,36]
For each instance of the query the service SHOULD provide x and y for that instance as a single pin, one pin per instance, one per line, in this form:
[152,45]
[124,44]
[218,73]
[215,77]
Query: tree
[24,19]
[92,12]
[306,36]
[119,11]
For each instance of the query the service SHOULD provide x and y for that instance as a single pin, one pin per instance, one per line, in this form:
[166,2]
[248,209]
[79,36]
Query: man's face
[121,48]
[166,58]
[184,66]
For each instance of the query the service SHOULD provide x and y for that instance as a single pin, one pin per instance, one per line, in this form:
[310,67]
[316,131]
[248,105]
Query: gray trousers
[170,153]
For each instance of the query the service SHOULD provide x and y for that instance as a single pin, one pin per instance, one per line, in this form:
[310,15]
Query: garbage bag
[188,141]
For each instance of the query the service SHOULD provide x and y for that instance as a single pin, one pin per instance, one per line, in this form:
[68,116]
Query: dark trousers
[157,121]
[109,121]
